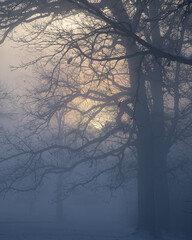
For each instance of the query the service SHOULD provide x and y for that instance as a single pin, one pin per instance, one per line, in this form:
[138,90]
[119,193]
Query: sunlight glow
[97,125]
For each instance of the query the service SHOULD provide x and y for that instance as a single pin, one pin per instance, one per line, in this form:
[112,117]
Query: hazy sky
[12,56]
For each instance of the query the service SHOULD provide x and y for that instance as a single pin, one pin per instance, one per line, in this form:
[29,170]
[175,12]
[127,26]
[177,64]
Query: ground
[57,231]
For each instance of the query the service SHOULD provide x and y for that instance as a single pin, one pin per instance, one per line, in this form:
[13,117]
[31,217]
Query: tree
[6,113]
[126,57]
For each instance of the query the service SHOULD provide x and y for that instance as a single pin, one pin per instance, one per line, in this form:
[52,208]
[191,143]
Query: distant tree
[5,98]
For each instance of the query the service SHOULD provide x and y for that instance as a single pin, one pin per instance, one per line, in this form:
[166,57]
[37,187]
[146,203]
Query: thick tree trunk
[153,203]
[145,148]
[160,150]
[153,207]
[145,155]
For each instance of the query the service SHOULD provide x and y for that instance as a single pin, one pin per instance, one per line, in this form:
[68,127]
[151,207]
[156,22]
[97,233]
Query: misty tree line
[113,95]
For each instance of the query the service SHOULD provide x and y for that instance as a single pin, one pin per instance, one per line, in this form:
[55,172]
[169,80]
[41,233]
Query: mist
[95,120]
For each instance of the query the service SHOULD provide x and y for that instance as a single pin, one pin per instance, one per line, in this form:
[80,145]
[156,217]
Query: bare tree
[128,59]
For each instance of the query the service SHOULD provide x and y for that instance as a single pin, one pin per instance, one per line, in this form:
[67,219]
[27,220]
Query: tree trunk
[153,207]
[153,203]
[59,199]
[145,147]
[146,204]
[160,150]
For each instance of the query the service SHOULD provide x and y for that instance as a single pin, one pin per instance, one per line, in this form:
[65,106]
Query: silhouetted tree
[128,60]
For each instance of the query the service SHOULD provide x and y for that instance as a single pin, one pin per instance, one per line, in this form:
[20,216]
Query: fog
[85,213]
[93,210]
[95,120]
[81,211]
